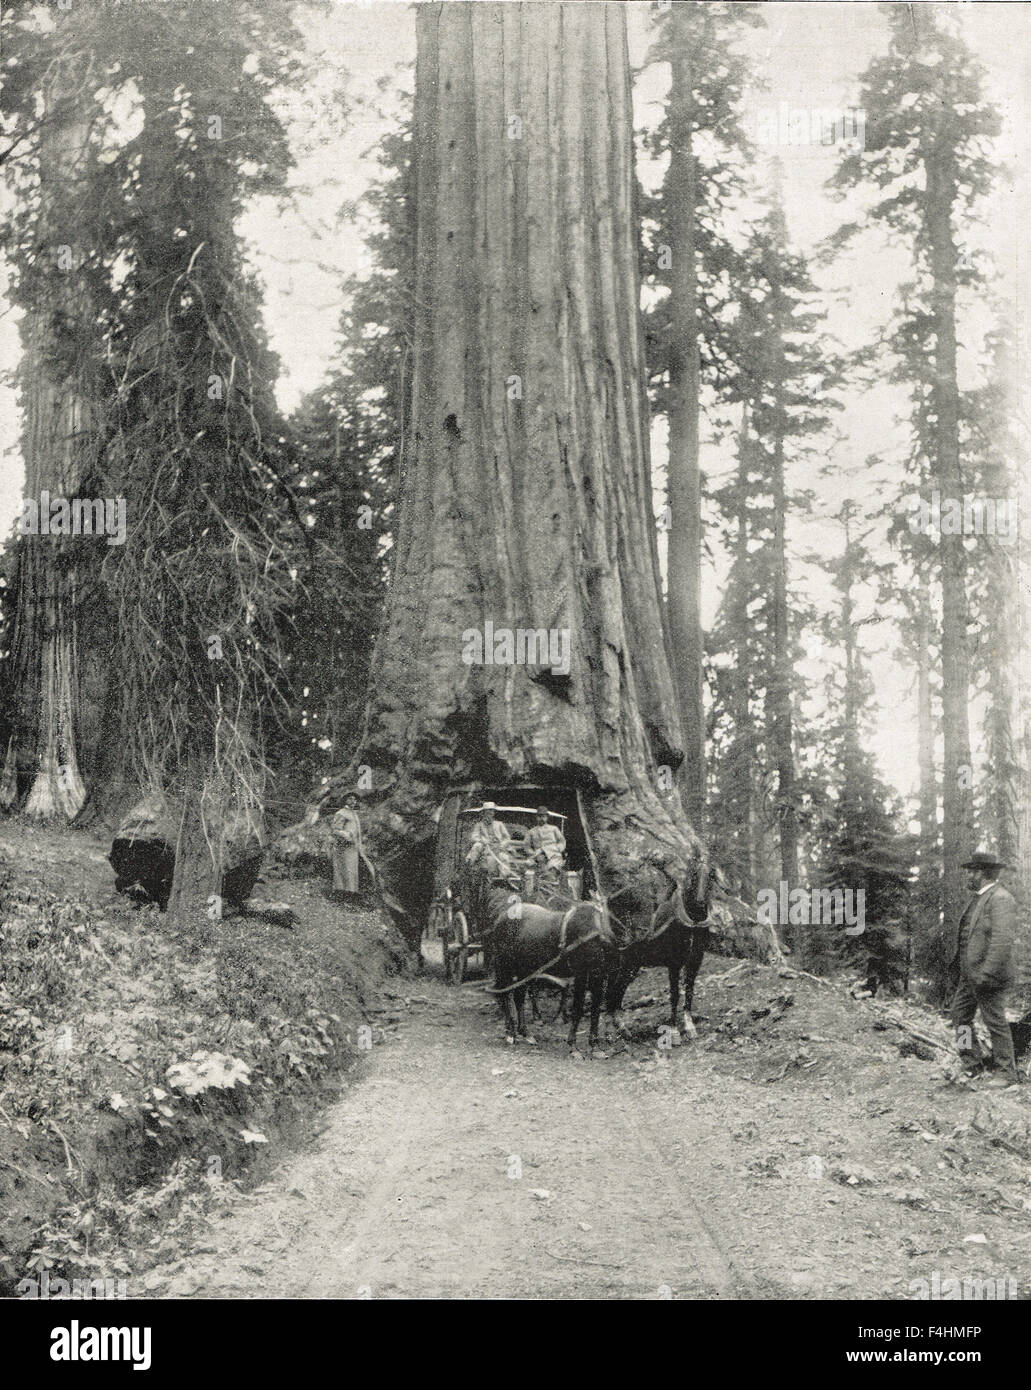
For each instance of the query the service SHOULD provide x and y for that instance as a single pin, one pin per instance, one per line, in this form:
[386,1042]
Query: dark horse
[576,942]
[665,922]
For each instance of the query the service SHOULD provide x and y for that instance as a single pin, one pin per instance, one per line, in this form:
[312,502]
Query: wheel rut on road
[456,1167]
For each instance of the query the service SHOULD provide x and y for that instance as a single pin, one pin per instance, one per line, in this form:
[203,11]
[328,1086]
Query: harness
[541,971]
[680,917]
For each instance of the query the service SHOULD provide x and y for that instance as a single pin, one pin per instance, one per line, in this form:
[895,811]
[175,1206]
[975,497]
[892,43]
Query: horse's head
[694,890]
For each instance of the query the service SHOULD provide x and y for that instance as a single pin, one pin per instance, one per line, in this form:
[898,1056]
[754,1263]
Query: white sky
[808,55]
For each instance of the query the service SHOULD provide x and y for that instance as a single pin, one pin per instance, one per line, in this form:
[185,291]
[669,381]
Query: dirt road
[456,1167]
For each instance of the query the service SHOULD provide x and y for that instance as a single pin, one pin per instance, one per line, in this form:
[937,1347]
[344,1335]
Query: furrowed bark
[58,439]
[526,489]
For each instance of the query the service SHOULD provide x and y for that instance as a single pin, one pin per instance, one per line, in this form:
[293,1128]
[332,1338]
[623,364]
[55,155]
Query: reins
[541,972]
[674,920]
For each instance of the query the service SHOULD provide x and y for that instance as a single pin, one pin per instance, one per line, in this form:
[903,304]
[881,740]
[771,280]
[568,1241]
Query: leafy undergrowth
[147,1072]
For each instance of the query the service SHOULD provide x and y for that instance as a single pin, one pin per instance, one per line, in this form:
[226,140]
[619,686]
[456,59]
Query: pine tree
[864,848]
[783,369]
[927,153]
[347,438]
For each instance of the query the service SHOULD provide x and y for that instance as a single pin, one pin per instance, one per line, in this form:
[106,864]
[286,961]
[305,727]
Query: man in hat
[547,843]
[491,843]
[983,946]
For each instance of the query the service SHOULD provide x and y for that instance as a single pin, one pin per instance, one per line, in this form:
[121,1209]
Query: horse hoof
[510,1042]
[575,1055]
[600,1053]
[674,1038]
[529,1040]
[690,1030]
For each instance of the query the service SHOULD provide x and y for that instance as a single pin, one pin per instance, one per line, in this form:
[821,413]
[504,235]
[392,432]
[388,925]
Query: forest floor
[389,1144]
[796,1150]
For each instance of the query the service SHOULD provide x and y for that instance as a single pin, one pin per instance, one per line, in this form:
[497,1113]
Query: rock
[852,1175]
[278,914]
[143,853]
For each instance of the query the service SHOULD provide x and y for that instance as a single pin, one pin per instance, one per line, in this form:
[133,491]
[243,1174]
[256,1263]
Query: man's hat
[488,806]
[542,811]
[980,860]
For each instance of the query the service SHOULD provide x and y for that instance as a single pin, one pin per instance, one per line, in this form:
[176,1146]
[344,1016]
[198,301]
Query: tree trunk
[743,769]
[1001,795]
[957,798]
[853,698]
[1022,643]
[683,576]
[782,720]
[58,437]
[929,897]
[199,849]
[526,493]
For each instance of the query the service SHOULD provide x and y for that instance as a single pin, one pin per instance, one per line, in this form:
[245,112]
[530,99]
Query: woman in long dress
[346,829]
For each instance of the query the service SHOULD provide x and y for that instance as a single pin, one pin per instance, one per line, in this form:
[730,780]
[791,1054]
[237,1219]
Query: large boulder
[143,854]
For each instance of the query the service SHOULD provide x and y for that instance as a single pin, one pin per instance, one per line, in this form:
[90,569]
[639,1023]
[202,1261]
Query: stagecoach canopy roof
[515,810]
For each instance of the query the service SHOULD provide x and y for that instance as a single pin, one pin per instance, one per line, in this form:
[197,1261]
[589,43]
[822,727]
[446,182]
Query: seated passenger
[490,843]
[547,842]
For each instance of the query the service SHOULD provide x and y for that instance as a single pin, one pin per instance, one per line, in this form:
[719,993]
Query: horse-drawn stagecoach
[453,917]
[550,921]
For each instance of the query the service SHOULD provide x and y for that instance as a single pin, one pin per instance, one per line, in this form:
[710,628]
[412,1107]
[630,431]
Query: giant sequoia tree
[525,498]
[52,252]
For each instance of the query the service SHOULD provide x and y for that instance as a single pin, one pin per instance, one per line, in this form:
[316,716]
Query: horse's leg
[673,968]
[507,1007]
[520,1003]
[597,983]
[535,1006]
[579,991]
[695,956]
[617,985]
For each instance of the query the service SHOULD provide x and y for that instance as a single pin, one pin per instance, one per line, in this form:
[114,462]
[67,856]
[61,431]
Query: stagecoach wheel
[440,927]
[460,955]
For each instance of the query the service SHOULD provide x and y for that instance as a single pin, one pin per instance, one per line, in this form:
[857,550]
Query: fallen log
[945,1045]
